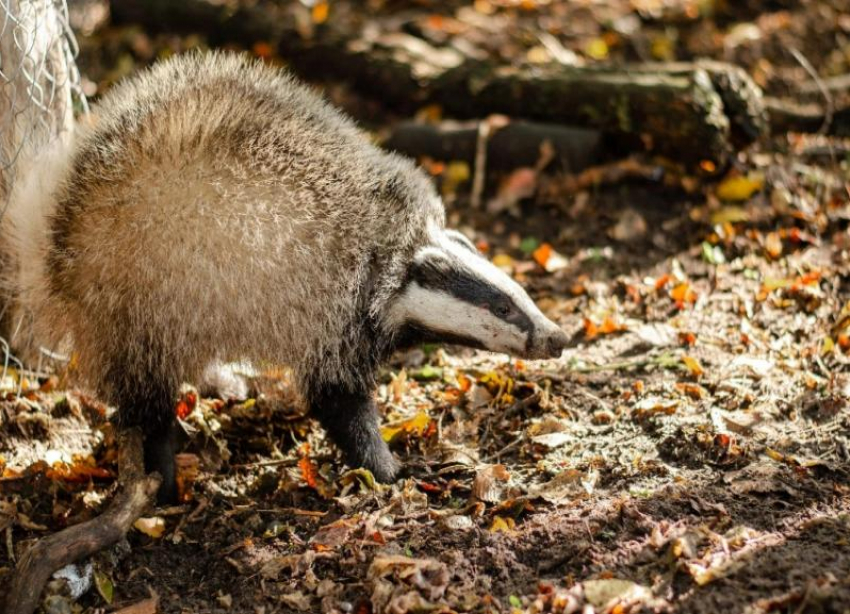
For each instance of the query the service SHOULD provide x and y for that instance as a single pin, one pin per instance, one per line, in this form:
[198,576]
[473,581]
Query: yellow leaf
[597,49]
[827,346]
[693,365]
[777,456]
[417,425]
[663,48]
[504,262]
[729,215]
[740,188]
[503,525]
[152,527]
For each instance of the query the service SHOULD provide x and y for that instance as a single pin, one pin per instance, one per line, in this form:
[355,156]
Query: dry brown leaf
[490,483]
[148,606]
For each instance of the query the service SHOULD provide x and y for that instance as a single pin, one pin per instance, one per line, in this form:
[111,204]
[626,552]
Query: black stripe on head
[445,274]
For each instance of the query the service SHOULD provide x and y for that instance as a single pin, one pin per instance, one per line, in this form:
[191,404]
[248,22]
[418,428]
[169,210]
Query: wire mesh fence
[40,92]
[39,82]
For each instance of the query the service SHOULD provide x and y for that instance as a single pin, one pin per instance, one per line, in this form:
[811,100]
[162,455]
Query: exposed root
[82,540]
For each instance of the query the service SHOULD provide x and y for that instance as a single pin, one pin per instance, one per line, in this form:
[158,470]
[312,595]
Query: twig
[593,397]
[827,96]
[505,450]
[665,360]
[486,128]
[282,462]
[82,540]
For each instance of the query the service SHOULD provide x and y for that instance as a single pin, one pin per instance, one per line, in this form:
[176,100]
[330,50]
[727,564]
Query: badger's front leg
[351,419]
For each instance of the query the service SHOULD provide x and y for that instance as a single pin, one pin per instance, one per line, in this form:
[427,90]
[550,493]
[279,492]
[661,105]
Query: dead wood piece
[69,545]
[687,111]
[516,145]
[790,116]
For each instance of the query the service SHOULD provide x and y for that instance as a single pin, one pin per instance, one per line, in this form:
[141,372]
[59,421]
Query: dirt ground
[689,453]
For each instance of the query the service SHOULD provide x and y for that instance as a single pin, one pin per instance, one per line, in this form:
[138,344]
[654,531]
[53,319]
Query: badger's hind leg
[351,419]
[147,403]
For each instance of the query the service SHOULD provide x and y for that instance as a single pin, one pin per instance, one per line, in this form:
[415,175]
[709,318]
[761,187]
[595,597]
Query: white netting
[39,94]
[39,81]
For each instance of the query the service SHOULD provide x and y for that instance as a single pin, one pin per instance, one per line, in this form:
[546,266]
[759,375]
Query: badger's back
[218,209]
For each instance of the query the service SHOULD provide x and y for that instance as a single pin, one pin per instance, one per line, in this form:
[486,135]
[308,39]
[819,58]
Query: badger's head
[453,294]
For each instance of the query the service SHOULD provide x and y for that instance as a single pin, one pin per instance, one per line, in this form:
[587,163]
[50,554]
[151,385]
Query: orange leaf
[663,281]
[262,50]
[683,294]
[609,326]
[320,12]
[542,254]
[688,339]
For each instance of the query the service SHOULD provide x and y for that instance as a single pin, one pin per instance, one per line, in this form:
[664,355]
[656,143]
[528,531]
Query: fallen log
[687,111]
[515,145]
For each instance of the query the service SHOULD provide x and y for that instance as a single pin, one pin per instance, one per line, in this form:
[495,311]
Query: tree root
[63,548]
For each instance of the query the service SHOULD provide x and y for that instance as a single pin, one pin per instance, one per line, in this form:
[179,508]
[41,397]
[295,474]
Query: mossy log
[687,111]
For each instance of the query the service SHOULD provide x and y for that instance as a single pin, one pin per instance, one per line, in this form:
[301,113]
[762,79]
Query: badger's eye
[502,310]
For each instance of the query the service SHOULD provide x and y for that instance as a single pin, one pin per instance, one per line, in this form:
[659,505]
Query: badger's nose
[556,342]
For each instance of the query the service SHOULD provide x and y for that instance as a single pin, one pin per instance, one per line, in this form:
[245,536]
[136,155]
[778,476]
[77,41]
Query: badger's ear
[430,267]
[460,239]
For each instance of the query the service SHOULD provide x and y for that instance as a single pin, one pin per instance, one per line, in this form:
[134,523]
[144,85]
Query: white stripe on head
[465,310]
[486,270]
[440,312]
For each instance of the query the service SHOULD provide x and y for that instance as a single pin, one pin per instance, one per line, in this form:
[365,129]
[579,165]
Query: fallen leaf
[503,525]
[504,262]
[152,527]
[549,259]
[310,473]
[683,294]
[737,188]
[332,536]
[608,326]
[773,245]
[657,335]
[489,483]
[651,406]
[416,426]
[104,586]
[597,49]
[693,366]
[566,486]
[629,227]
[519,185]
[729,215]
[610,592]
[148,606]
[455,174]
[320,11]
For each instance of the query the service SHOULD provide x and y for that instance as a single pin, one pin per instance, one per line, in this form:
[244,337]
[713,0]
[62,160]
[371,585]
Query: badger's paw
[381,462]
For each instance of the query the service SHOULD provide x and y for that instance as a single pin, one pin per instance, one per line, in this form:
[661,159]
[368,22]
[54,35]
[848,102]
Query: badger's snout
[549,343]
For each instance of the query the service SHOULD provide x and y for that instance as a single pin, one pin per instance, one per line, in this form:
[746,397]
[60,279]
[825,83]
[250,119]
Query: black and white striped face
[455,295]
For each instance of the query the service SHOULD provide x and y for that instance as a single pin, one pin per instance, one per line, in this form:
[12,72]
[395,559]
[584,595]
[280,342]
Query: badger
[215,209]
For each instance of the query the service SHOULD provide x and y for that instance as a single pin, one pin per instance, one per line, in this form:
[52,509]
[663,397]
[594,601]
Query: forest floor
[689,453]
